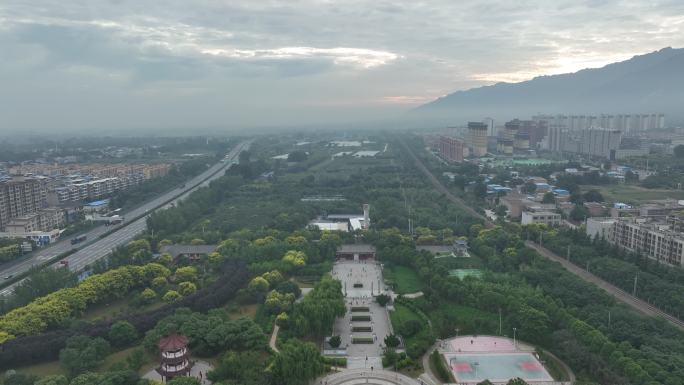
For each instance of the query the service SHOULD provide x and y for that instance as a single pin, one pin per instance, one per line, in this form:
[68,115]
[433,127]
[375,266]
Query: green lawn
[405,279]
[467,319]
[53,367]
[402,314]
[633,194]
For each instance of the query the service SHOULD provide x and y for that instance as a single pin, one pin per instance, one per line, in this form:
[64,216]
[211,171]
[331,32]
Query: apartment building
[654,238]
[19,196]
[451,149]
[548,218]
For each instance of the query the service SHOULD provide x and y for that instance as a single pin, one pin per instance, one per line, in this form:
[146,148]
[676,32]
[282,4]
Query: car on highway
[8,276]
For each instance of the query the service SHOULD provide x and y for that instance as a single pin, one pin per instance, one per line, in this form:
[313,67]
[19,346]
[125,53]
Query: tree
[172,296]
[277,302]
[187,273]
[516,381]
[297,156]
[295,258]
[549,198]
[244,156]
[83,353]
[480,190]
[335,342]
[148,295]
[165,259]
[259,284]
[392,341]
[297,363]
[382,299]
[679,151]
[273,277]
[501,211]
[135,360]
[87,379]
[41,282]
[184,381]
[579,213]
[244,368]
[410,327]
[52,380]
[187,288]
[529,188]
[122,333]
[159,282]
[593,196]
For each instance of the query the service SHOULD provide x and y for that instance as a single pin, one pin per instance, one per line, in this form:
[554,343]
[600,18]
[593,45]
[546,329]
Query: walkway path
[365,376]
[274,338]
[616,292]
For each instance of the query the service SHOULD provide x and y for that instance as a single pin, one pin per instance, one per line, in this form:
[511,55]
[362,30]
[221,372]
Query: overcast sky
[121,65]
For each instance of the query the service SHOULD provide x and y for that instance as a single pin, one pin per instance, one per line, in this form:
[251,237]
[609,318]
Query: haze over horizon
[126,66]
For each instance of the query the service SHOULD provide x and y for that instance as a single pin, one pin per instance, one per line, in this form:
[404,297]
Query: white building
[540,217]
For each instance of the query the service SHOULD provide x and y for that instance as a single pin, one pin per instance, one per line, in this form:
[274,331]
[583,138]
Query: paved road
[365,376]
[615,291]
[101,247]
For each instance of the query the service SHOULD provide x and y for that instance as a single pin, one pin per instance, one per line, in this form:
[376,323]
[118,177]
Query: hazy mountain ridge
[652,82]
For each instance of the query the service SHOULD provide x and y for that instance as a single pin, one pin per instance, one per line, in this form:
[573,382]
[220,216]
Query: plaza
[365,322]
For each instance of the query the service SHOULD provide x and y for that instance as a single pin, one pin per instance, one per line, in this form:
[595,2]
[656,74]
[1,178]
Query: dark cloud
[174,62]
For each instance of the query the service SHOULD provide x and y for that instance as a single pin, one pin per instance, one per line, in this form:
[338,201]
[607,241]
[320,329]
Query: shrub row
[335,361]
[362,329]
[31,350]
[362,340]
[439,367]
[360,318]
[358,309]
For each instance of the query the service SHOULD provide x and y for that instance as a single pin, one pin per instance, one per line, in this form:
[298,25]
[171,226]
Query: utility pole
[568,254]
[635,284]
[499,321]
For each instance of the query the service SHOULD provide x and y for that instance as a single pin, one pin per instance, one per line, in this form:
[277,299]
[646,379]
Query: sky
[123,66]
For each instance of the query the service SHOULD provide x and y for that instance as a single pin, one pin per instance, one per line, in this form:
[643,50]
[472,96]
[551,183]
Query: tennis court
[473,359]
[496,367]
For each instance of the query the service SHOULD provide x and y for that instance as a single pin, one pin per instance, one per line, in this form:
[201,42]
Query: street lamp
[457,329]
[514,343]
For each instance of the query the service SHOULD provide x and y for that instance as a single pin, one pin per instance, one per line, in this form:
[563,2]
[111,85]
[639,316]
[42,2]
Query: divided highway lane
[101,247]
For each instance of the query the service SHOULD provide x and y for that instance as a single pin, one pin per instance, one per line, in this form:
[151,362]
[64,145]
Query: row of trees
[9,253]
[659,285]
[55,308]
[29,350]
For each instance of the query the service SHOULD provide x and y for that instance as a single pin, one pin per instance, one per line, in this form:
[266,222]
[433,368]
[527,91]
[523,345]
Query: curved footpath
[365,376]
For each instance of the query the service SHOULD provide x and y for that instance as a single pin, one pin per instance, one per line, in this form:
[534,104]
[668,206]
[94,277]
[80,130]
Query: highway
[95,247]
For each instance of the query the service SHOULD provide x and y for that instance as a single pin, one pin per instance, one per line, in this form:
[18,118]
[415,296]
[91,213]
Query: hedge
[362,340]
[359,309]
[360,318]
[438,366]
[362,329]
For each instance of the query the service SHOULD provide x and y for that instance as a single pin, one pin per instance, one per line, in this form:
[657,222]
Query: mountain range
[648,83]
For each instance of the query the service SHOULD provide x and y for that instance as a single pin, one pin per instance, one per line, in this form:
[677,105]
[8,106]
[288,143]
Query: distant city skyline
[124,66]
